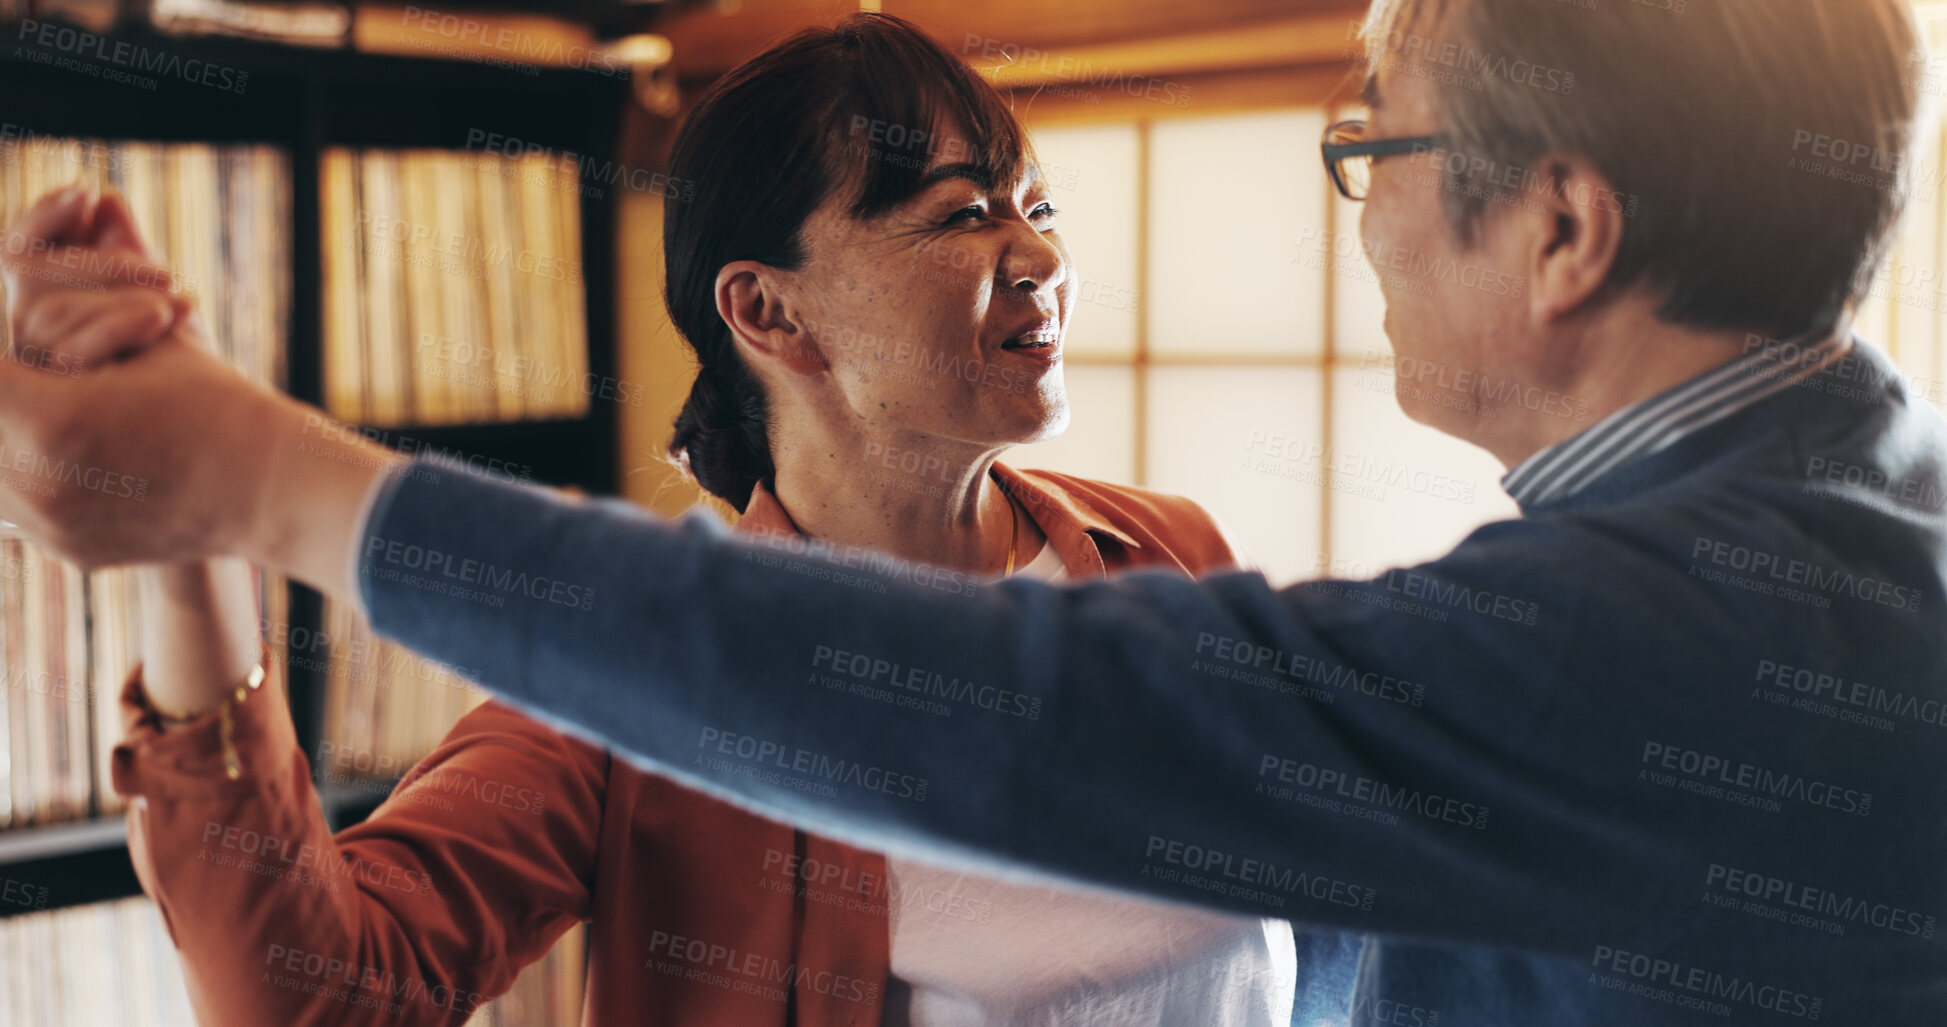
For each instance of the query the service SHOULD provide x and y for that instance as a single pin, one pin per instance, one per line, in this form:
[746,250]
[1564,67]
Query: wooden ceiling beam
[1132,36]
[1282,43]
[1200,94]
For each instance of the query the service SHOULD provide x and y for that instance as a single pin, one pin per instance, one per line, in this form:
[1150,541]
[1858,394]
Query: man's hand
[168,454]
[157,459]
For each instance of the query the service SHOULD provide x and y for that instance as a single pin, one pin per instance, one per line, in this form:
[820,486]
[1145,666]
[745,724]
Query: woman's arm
[199,633]
[415,917]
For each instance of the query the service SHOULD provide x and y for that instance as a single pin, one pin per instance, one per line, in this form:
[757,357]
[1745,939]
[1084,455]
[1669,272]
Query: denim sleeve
[1449,752]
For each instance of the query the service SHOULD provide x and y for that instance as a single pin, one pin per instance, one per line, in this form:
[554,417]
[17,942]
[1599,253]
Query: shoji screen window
[1226,346]
[1905,312]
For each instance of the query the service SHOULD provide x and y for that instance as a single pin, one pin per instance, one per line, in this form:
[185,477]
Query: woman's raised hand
[83,286]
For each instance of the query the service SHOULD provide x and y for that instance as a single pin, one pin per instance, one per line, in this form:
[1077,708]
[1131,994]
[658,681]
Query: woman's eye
[967,213]
[1044,211]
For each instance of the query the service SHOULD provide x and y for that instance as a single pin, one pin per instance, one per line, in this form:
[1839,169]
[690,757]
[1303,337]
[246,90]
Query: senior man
[1663,750]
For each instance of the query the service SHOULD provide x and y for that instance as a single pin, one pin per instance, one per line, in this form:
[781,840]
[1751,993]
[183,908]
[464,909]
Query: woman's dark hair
[855,106]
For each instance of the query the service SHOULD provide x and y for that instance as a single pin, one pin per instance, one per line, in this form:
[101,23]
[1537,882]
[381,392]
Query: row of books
[453,283]
[385,706]
[68,642]
[48,770]
[453,287]
[113,963]
[546,994]
[109,963]
[220,216]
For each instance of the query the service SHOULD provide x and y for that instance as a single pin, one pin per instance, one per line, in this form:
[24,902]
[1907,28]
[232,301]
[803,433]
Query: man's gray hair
[1759,149]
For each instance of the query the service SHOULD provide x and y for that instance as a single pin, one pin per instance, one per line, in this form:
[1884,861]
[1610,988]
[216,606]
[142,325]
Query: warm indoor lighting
[642,50]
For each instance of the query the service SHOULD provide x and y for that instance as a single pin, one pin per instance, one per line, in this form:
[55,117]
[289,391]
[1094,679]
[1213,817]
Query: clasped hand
[123,438]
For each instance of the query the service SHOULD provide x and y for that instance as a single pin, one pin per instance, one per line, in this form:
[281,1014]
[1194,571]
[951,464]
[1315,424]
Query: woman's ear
[754,299]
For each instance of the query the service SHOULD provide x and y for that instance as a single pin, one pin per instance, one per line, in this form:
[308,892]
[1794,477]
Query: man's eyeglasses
[1349,156]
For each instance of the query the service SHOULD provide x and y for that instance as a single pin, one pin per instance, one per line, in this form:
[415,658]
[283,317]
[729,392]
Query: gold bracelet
[226,728]
[226,725]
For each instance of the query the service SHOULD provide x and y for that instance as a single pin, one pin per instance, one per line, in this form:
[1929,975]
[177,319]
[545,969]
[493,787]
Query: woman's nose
[1033,261]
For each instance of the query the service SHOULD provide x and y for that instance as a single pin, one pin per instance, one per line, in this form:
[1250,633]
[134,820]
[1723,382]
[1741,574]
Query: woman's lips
[1042,343]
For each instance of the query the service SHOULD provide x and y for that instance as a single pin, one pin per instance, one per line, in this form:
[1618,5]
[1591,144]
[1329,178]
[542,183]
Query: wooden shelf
[28,844]
[87,861]
[255,89]
[574,452]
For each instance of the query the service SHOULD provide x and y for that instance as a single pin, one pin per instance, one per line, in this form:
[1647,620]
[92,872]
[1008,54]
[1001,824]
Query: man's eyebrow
[978,175]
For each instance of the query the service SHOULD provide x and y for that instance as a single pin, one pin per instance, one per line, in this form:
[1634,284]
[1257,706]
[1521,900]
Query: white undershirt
[1046,565]
[971,950]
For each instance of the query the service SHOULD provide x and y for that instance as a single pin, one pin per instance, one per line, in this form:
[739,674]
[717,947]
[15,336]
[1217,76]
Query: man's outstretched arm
[1146,733]
[1183,739]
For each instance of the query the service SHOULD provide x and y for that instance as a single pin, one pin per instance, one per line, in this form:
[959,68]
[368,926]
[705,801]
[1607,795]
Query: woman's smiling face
[869,260]
[944,314]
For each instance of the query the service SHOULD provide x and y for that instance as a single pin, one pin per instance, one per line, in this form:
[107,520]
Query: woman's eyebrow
[978,175]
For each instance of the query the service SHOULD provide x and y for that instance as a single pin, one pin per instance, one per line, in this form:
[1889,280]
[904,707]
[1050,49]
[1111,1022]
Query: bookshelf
[304,101]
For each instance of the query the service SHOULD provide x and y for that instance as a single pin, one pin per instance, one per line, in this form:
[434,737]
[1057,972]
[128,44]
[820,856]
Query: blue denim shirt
[1666,750]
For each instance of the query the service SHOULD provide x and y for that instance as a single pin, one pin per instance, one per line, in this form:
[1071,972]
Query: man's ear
[1580,220]
[753,298]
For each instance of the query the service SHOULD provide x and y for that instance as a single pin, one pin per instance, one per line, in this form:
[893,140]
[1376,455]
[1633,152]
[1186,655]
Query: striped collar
[1642,428]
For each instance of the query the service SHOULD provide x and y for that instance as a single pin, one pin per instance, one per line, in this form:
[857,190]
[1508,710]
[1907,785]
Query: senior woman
[873,285]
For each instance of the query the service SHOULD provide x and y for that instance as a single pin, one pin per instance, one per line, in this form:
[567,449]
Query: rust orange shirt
[510,833]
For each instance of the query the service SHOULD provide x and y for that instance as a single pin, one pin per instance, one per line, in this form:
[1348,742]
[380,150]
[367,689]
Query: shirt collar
[1566,467]
[1065,518]
[1056,509]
